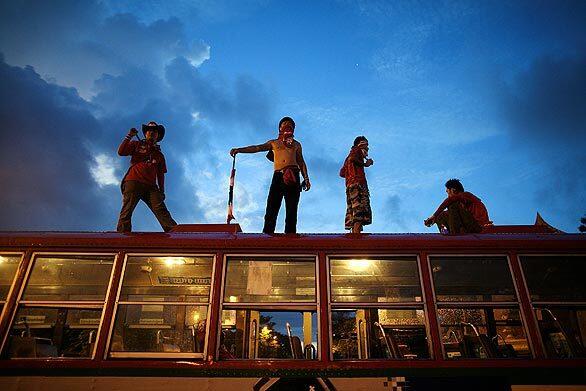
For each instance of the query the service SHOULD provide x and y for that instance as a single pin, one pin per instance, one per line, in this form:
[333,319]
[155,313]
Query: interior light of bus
[359,265]
[232,299]
[174,261]
[2,260]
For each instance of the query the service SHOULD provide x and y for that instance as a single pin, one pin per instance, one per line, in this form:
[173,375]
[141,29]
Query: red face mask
[286,135]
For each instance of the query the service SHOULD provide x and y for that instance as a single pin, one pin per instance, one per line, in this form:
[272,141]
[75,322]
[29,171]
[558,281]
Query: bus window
[256,280]
[379,334]
[61,308]
[258,334]
[477,308]
[158,328]
[41,332]
[482,333]
[481,279]
[555,278]
[8,267]
[563,331]
[162,308]
[394,328]
[558,294]
[269,309]
[375,280]
[79,278]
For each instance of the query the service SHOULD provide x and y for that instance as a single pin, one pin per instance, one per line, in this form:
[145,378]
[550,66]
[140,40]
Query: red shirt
[147,163]
[471,203]
[353,168]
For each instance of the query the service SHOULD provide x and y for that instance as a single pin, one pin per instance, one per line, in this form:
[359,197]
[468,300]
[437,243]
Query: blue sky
[491,92]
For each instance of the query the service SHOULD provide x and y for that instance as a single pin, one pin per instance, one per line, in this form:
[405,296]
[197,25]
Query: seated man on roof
[465,212]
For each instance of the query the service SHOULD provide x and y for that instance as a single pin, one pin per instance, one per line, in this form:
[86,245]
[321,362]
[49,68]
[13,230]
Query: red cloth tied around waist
[290,175]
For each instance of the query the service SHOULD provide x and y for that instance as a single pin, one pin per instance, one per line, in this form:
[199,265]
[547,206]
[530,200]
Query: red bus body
[509,242]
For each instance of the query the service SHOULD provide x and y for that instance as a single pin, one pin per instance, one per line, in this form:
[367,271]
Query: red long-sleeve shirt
[472,203]
[147,163]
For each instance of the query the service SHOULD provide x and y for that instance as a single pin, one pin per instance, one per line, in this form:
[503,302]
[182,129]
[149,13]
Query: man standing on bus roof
[147,167]
[358,211]
[287,155]
[465,212]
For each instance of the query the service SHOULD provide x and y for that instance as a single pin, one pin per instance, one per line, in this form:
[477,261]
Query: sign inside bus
[168,280]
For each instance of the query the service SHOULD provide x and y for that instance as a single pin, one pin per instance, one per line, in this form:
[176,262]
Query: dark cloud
[545,110]
[394,213]
[44,158]
[322,168]
[75,42]
[548,101]
[127,93]
[139,72]
[246,101]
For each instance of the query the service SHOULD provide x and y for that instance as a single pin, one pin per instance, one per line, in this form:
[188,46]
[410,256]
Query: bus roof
[500,238]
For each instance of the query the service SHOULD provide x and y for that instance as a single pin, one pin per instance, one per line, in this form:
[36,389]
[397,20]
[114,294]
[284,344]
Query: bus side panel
[110,383]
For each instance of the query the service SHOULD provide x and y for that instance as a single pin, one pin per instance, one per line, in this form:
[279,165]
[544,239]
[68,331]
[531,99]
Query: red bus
[209,307]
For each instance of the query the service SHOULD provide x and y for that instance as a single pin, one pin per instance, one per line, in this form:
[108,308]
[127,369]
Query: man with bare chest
[288,163]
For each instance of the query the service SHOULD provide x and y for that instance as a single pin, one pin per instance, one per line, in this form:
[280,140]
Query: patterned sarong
[357,205]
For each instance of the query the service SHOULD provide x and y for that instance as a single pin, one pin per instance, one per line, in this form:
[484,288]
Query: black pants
[291,194]
[458,220]
[134,191]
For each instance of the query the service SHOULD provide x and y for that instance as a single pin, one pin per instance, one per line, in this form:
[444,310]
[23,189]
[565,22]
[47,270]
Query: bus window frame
[480,304]
[4,310]
[278,306]
[116,355]
[535,305]
[11,288]
[60,304]
[358,305]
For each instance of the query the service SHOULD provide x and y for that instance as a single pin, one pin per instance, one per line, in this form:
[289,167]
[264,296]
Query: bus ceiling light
[359,265]
[174,261]
[2,260]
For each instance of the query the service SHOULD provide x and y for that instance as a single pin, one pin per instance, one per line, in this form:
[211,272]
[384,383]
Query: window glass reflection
[375,280]
[71,278]
[8,267]
[563,331]
[258,334]
[475,278]
[167,279]
[555,278]
[379,334]
[159,328]
[53,332]
[482,333]
[255,280]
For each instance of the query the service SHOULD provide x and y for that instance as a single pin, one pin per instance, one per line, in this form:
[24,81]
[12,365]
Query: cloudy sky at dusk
[491,92]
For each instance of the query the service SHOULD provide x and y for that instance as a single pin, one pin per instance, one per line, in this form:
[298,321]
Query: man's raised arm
[251,149]
[127,147]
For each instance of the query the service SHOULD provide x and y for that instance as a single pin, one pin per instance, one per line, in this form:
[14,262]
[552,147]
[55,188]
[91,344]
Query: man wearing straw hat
[147,167]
